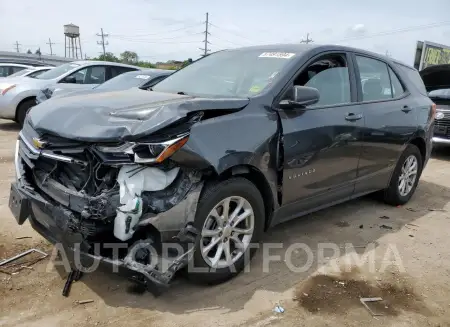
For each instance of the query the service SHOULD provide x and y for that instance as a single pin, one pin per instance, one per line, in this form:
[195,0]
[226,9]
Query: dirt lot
[410,271]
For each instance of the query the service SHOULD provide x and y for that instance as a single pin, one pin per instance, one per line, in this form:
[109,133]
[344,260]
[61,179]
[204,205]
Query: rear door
[389,113]
[322,143]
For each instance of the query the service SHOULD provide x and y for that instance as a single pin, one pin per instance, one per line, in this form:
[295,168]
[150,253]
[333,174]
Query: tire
[393,195]
[23,109]
[237,188]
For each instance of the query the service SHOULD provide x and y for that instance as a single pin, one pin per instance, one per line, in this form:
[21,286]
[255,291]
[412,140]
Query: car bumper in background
[7,107]
[441,140]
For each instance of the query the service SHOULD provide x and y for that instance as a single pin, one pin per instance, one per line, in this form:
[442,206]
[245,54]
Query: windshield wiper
[182,93]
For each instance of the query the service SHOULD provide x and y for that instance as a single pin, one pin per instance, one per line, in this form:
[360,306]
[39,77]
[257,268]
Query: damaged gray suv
[217,153]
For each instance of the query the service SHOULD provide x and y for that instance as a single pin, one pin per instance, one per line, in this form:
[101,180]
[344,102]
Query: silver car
[7,69]
[18,94]
[30,72]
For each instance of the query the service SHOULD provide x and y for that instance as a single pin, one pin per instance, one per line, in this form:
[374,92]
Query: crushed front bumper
[51,222]
[52,218]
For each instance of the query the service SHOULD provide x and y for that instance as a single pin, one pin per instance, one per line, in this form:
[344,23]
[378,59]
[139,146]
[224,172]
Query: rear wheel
[405,177]
[230,218]
[23,109]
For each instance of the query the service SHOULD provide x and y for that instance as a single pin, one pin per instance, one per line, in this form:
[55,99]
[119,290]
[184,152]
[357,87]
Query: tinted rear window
[414,76]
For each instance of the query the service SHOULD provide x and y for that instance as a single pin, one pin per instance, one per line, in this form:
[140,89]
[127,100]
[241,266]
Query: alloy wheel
[227,232]
[408,175]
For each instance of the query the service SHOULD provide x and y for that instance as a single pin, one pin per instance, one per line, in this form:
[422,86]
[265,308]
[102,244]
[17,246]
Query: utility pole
[50,43]
[205,49]
[17,44]
[102,42]
[387,53]
[308,40]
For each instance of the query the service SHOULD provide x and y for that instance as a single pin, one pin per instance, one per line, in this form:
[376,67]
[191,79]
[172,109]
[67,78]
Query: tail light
[433,111]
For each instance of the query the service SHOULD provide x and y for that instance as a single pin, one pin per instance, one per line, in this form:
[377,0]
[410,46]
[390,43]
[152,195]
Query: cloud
[356,30]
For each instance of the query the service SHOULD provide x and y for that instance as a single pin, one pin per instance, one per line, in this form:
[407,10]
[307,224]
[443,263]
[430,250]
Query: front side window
[230,73]
[4,71]
[330,76]
[375,80]
[16,69]
[89,75]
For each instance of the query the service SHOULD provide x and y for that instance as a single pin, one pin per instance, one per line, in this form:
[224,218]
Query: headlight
[149,152]
[8,88]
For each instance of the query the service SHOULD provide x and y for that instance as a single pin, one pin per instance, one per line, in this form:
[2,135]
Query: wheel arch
[31,97]
[255,176]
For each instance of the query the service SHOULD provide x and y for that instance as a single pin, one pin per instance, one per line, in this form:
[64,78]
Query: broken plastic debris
[278,309]
[133,180]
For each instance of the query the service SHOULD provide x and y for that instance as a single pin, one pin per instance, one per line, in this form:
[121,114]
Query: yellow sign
[436,56]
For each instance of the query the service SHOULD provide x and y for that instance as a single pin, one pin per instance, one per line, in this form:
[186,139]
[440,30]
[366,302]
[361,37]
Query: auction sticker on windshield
[282,55]
[143,76]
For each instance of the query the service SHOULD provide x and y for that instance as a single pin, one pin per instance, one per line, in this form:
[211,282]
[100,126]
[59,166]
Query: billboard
[431,54]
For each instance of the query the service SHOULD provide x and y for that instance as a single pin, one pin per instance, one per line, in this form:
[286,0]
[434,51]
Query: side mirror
[300,97]
[70,80]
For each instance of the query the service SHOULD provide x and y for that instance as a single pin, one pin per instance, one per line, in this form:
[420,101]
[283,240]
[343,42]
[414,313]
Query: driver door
[322,142]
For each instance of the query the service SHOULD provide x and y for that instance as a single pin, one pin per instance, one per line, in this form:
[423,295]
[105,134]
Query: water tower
[72,41]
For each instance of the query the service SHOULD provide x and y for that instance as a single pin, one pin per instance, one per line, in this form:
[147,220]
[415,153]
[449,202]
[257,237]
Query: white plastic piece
[133,180]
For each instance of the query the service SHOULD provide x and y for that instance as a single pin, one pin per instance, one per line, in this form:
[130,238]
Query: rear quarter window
[414,77]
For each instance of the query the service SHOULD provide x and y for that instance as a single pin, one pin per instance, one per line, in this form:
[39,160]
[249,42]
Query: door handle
[406,109]
[353,117]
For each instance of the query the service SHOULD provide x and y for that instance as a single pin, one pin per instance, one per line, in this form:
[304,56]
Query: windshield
[124,81]
[21,72]
[242,73]
[443,93]
[57,71]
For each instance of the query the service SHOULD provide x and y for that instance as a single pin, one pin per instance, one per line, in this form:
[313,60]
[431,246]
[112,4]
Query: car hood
[119,115]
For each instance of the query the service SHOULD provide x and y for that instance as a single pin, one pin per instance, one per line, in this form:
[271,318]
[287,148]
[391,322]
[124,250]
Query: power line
[231,42]
[231,32]
[206,42]
[16,45]
[153,40]
[396,31]
[102,42]
[308,40]
[50,43]
[158,33]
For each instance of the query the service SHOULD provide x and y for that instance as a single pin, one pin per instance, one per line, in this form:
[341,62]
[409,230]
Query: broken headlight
[148,152]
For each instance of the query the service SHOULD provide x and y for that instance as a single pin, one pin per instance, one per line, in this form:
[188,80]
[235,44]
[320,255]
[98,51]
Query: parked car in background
[144,79]
[442,123]
[7,69]
[18,95]
[31,72]
[218,152]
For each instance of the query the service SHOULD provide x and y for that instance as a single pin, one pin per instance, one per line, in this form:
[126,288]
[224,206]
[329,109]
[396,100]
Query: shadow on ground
[9,126]
[441,152]
[357,222]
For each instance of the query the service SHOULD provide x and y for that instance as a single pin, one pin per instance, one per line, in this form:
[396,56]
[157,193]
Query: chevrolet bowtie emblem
[38,144]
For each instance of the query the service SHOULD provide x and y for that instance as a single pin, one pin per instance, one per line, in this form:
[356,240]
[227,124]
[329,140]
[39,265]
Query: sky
[174,29]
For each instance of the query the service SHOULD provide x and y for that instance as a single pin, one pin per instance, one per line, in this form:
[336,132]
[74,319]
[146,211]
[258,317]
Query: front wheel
[230,218]
[405,177]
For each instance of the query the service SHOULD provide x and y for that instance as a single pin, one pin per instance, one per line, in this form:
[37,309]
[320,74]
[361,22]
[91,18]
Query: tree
[186,62]
[108,56]
[29,51]
[129,57]
[38,52]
